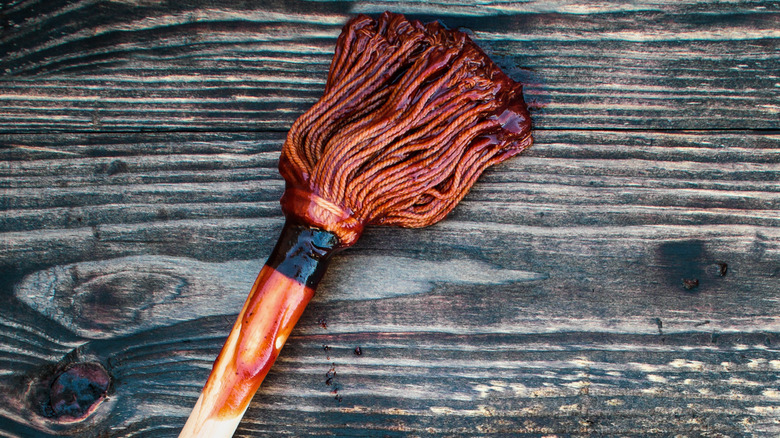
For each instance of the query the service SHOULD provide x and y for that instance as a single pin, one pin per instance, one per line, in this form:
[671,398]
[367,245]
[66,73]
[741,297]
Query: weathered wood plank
[568,178]
[85,66]
[442,384]
[551,302]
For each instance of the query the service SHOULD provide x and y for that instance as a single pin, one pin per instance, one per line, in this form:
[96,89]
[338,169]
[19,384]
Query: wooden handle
[282,290]
[269,315]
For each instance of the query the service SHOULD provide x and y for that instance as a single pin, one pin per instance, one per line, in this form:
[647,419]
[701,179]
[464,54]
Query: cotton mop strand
[412,114]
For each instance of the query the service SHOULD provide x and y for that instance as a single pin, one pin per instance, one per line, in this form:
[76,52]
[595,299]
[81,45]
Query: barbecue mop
[411,115]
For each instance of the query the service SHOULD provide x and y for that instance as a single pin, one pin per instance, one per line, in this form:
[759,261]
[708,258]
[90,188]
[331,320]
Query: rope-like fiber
[412,114]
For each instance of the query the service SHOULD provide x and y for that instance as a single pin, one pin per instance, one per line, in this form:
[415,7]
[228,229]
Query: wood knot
[77,390]
[106,298]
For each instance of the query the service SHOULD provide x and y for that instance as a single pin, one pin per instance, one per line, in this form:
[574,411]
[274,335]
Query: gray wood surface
[620,278]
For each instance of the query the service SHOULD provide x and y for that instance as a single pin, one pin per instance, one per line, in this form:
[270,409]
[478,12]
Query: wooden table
[622,277]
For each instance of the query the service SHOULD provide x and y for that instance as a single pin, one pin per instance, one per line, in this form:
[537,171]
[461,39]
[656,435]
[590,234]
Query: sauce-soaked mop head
[411,116]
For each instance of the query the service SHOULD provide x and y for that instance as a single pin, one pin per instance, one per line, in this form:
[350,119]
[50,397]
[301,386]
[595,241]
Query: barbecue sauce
[282,290]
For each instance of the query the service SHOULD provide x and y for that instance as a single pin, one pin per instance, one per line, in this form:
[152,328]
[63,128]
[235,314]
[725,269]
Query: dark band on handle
[302,253]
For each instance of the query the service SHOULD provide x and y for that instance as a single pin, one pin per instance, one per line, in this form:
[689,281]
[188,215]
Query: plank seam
[736,130]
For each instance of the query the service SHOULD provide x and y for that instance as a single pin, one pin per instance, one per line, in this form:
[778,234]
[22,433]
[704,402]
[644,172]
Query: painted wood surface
[621,278]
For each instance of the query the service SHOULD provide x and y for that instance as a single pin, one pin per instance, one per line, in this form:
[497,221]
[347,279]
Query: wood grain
[620,278]
[594,333]
[144,66]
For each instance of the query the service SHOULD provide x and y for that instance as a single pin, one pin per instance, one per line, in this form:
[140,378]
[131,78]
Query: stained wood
[620,278]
